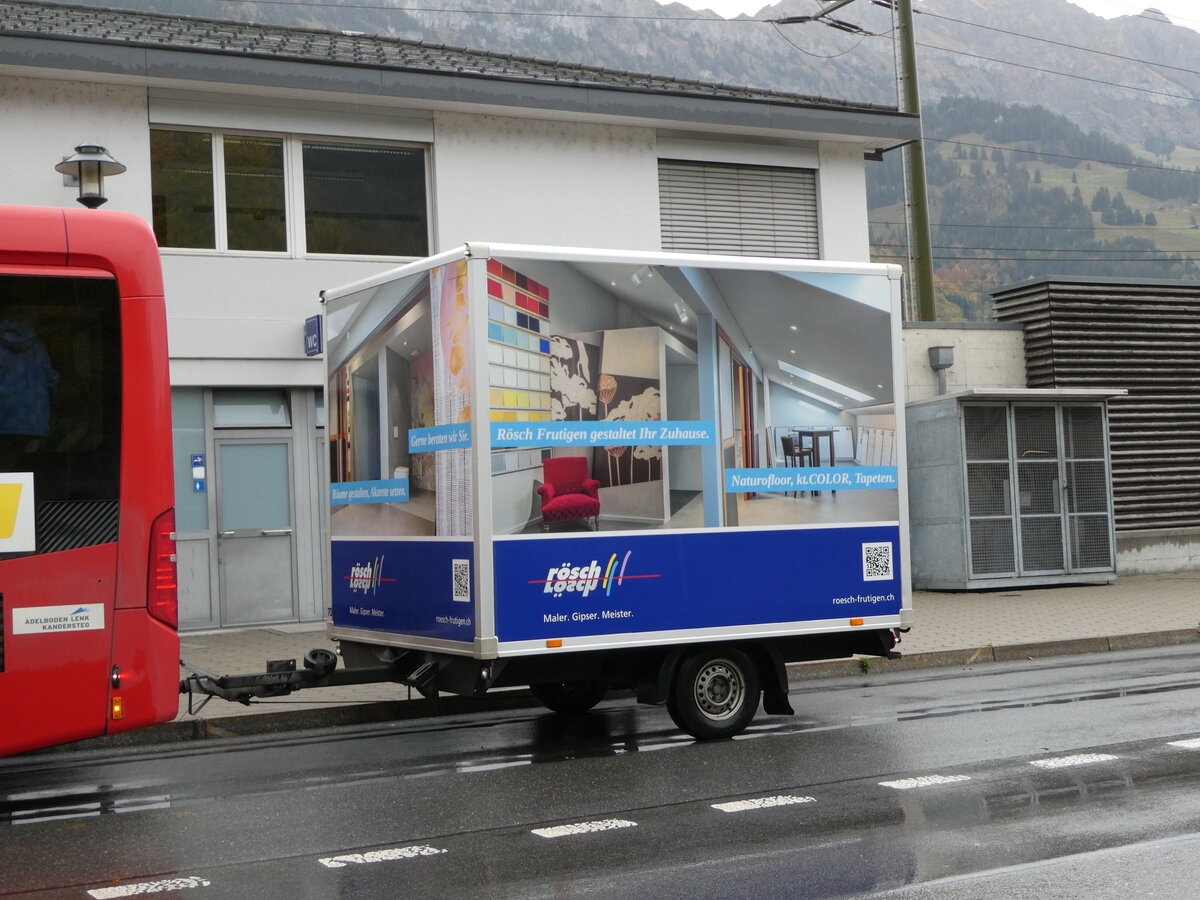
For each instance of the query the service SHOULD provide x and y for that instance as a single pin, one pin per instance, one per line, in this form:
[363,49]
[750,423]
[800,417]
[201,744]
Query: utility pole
[920,246]
[916,207]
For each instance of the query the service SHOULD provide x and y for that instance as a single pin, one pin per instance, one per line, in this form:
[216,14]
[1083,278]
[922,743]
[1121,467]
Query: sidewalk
[965,628]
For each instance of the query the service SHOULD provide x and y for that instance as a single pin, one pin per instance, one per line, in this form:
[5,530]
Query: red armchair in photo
[568,491]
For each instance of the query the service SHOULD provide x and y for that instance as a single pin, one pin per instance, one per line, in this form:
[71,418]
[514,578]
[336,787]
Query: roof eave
[137,64]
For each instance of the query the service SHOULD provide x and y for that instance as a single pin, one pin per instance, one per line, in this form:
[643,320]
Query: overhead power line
[1157,228]
[955,247]
[1072,259]
[1009,62]
[1032,37]
[1106,162]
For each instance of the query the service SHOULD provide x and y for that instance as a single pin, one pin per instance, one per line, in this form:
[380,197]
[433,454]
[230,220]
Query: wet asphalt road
[1062,778]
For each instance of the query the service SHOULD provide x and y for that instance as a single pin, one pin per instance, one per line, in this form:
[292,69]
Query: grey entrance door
[256,539]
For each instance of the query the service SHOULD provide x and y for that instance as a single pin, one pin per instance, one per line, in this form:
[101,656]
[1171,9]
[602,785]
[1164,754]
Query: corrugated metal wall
[1144,337]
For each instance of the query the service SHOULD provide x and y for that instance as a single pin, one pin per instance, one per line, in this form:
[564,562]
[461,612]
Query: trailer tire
[715,693]
[569,697]
[320,660]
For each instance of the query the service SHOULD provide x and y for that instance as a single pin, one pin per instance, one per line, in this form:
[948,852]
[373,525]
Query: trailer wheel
[569,697]
[715,693]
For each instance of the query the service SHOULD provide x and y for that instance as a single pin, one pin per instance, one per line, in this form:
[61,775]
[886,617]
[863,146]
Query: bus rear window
[60,402]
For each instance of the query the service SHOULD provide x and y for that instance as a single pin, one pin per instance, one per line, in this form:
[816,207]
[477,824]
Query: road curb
[988,653]
[367,713]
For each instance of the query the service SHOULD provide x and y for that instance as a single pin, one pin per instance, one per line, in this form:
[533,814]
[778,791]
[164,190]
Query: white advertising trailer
[583,470]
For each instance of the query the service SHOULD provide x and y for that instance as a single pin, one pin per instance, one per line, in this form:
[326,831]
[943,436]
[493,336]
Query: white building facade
[274,163]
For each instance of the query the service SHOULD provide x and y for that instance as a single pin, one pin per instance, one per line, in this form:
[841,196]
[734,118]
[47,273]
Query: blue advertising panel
[439,437]
[818,478]
[616,584]
[390,490]
[421,588]
[601,434]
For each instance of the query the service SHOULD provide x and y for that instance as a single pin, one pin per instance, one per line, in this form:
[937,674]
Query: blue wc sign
[312,336]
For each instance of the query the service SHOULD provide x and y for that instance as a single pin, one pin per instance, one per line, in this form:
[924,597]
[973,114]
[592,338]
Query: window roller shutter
[738,210]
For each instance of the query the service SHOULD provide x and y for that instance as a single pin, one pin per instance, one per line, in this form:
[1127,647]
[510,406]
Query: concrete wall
[985,355]
[1157,551]
[841,196]
[538,182]
[41,122]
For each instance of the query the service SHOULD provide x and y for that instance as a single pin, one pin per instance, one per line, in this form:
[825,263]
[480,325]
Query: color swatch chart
[518,346]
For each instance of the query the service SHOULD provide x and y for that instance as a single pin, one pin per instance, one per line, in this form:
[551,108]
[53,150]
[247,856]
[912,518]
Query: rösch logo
[583,579]
[364,578]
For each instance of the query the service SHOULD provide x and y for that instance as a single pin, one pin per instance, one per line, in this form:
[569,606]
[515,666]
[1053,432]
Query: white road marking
[376,856]
[1079,759]
[583,828]
[148,887]
[762,803]
[88,810]
[906,784]
[1189,744]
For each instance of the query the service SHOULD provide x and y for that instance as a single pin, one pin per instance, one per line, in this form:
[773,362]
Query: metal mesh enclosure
[985,429]
[992,547]
[1087,488]
[988,493]
[1041,544]
[1036,431]
[1039,487]
[1057,518]
[989,490]
[1090,547]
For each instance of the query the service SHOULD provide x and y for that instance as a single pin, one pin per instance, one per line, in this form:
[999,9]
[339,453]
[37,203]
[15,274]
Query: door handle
[276,531]
[226,533]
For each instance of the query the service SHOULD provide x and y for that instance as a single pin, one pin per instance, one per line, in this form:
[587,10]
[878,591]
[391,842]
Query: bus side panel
[147,489]
[636,583]
[147,653]
[58,612]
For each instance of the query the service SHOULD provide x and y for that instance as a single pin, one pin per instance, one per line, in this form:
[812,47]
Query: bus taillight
[162,593]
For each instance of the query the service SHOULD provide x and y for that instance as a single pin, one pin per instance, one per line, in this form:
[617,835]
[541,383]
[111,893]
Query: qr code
[460,572]
[877,561]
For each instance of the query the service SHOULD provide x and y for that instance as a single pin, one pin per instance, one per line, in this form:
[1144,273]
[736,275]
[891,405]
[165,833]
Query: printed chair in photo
[794,457]
[568,492]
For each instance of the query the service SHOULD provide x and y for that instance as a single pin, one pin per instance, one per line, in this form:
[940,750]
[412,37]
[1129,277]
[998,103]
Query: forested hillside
[1019,192]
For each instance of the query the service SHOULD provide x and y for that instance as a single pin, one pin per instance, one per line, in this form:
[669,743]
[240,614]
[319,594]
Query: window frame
[293,197]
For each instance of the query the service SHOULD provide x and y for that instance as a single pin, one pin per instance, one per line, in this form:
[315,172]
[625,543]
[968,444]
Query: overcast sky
[1181,12]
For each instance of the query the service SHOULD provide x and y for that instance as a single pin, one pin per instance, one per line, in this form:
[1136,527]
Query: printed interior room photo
[617,342]
[798,364]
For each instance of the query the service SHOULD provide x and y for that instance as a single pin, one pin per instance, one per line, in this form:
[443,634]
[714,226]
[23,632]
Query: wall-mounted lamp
[89,165]
[940,359]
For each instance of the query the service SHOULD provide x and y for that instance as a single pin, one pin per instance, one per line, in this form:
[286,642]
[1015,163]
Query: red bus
[88,598]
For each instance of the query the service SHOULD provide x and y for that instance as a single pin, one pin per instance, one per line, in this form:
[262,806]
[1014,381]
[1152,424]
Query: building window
[255,218]
[181,182]
[365,200]
[737,209]
[251,409]
[283,194]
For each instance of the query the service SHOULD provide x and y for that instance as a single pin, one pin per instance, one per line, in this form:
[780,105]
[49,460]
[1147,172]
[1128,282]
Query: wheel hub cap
[720,690]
